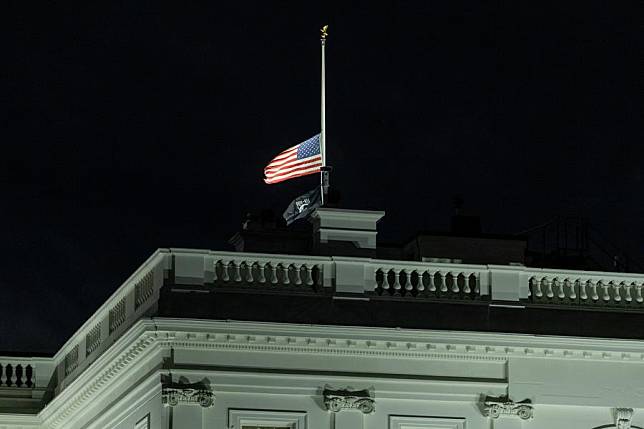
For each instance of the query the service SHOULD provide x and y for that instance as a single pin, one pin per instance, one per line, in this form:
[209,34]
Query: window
[404,422]
[144,423]
[266,419]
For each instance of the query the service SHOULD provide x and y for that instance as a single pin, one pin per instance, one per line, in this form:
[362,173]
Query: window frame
[428,422]
[146,420]
[237,418]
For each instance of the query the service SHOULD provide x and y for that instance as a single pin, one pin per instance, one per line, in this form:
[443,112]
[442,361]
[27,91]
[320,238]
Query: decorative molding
[409,422]
[344,399]
[623,417]
[495,406]
[238,418]
[334,340]
[401,343]
[173,394]
[321,345]
[80,397]
[144,423]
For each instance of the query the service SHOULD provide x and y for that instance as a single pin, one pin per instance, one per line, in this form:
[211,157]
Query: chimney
[343,232]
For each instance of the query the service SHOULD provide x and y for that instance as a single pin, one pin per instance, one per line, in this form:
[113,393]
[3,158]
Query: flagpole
[324,171]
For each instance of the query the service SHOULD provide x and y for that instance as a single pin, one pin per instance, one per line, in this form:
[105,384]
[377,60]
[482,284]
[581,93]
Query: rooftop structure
[341,337]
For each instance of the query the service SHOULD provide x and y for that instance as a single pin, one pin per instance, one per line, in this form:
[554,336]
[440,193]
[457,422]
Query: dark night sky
[132,125]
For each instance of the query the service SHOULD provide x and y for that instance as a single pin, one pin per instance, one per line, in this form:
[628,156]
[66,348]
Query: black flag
[302,206]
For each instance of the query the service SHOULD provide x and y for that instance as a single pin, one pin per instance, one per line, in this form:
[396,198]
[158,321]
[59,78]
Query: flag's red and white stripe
[286,166]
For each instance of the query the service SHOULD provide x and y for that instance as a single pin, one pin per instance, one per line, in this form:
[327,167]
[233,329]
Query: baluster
[407,275]
[385,280]
[420,286]
[2,372]
[249,272]
[298,278]
[455,288]
[466,286]
[285,276]
[638,293]
[12,380]
[224,271]
[627,292]
[536,286]
[571,285]
[273,273]
[19,375]
[309,275]
[605,295]
[214,274]
[443,281]
[262,277]
[237,267]
[617,296]
[477,283]
[431,284]
[29,376]
[549,292]
[560,285]
[582,290]
[396,280]
[593,290]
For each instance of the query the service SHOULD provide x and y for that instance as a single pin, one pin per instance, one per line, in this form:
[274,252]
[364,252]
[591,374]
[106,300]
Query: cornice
[146,391]
[356,341]
[102,374]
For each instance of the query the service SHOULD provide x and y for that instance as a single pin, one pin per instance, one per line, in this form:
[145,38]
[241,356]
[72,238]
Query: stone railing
[129,303]
[253,270]
[429,280]
[265,271]
[586,288]
[25,372]
[16,373]
[346,276]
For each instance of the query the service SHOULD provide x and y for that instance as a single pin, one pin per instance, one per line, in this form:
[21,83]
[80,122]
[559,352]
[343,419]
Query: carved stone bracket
[173,394]
[494,407]
[623,417]
[338,400]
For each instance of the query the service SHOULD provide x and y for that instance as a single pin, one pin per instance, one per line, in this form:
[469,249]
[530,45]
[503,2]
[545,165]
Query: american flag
[299,160]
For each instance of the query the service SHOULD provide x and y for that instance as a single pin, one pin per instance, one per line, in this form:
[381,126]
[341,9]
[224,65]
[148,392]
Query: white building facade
[176,347]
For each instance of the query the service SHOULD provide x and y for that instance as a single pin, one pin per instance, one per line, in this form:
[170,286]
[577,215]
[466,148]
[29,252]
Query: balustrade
[93,339]
[117,315]
[382,278]
[71,360]
[427,281]
[586,289]
[143,289]
[16,374]
[273,272]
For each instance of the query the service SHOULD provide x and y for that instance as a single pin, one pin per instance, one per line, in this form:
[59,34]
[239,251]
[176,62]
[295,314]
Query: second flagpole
[324,171]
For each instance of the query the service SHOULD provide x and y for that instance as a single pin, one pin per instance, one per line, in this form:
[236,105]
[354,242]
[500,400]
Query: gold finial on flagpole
[323,32]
